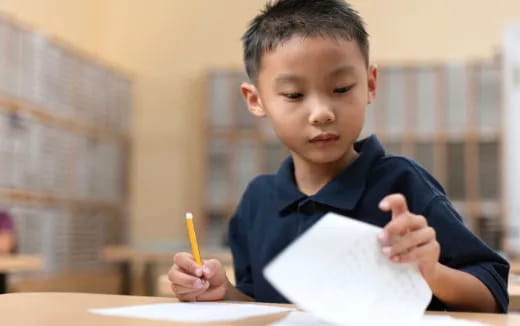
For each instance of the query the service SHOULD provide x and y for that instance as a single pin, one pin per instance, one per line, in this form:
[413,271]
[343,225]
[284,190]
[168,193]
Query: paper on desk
[192,312]
[336,271]
[300,318]
[431,320]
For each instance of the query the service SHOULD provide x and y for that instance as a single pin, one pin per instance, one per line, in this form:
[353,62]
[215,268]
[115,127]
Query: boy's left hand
[407,238]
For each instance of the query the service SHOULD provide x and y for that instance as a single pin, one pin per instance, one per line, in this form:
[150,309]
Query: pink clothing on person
[6,222]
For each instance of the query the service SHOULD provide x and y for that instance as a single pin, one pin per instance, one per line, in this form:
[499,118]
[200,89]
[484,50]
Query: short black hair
[282,19]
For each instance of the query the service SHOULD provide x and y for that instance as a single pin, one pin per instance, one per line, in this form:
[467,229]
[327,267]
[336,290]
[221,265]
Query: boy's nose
[321,114]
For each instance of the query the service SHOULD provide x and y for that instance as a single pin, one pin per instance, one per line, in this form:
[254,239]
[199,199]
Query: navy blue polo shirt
[273,212]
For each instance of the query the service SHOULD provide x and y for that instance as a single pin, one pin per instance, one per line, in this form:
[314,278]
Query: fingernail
[383,236]
[198,272]
[198,284]
[387,251]
[206,270]
[384,204]
[395,259]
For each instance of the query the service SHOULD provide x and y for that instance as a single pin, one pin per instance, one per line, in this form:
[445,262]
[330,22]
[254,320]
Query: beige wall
[433,30]
[171,44]
[76,21]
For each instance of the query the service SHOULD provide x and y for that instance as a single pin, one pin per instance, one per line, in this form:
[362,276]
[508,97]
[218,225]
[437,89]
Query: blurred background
[118,116]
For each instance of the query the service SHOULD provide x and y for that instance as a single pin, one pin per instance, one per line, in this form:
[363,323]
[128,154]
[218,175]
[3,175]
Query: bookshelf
[446,116]
[511,152]
[64,146]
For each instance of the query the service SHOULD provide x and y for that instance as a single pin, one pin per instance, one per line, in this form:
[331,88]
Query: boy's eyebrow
[288,77]
[344,70]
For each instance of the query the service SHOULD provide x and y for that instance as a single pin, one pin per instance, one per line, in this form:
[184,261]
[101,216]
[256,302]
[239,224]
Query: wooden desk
[514,266]
[71,309]
[18,263]
[514,294]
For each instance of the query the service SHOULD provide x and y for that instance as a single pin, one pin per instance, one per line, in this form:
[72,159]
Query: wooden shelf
[413,136]
[82,53]
[223,208]
[64,147]
[236,134]
[54,199]
[18,263]
[444,136]
[444,115]
[12,104]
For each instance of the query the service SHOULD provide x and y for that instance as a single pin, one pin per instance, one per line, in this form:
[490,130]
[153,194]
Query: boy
[308,63]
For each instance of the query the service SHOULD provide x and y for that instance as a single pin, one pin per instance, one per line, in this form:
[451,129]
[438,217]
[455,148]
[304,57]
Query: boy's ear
[254,103]
[372,83]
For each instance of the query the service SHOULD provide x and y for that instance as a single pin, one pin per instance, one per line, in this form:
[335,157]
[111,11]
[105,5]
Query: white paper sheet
[300,318]
[431,320]
[192,312]
[336,271]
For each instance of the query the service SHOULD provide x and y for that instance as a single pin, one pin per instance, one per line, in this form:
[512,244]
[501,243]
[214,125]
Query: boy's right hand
[191,282]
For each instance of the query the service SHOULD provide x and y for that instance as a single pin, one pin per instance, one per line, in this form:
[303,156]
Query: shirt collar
[343,191]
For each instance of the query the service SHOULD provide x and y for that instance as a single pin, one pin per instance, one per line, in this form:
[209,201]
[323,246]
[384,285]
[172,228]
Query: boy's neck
[311,177]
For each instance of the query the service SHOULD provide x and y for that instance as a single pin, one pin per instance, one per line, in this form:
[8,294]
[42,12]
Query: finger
[212,294]
[181,290]
[409,241]
[179,277]
[399,227]
[212,268]
[417,254]
[186,262]
[191,297]
[396,203]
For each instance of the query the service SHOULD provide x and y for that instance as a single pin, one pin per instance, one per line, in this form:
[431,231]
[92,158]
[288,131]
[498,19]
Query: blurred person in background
[7,242]
[7,238]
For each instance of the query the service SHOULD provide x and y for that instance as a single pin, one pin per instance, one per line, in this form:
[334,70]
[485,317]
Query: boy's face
[315,91]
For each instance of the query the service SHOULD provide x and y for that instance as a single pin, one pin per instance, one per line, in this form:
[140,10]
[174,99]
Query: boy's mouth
[324,138]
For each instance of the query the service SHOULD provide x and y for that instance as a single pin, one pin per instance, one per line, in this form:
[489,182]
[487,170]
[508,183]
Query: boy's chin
[324,158]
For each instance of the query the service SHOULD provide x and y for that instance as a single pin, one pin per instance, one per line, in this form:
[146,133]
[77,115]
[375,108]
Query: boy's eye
[293,96]
[343,89]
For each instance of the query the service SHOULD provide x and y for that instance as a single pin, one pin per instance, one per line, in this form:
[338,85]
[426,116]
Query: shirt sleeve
[6,222]
[239,249]
[462,250]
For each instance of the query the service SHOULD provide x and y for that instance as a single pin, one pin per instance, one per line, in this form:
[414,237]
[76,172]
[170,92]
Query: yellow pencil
[193,238]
